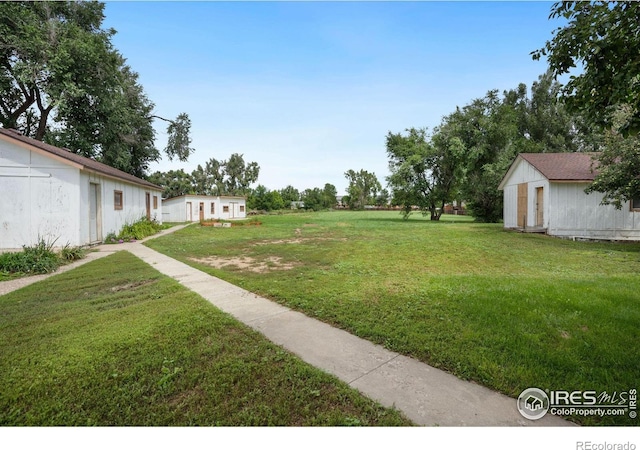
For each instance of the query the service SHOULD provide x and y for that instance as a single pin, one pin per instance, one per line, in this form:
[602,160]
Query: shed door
[189,211]
[539,207]
[201,211]
[522,205]
[94,233]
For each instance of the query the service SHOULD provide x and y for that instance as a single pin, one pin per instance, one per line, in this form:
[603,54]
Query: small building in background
[545,192]
[198,208]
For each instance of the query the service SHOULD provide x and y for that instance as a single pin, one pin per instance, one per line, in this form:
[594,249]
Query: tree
[239,176]
[424,171]
[174,182]
[383,198]
[312,199]
[495,128]
[363,188]
[289,194]
[619,167]
[329,194]
[62,82]
[265,200]
[603,40]
[226,177]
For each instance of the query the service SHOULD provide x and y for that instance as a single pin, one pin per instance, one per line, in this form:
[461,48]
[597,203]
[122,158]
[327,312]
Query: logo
[533,403]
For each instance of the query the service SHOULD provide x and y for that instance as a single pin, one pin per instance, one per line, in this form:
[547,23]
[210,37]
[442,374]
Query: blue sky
[309,90]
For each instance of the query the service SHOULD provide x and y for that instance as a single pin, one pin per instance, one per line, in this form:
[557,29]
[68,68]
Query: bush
[36,259]
[70,254]
[139,230]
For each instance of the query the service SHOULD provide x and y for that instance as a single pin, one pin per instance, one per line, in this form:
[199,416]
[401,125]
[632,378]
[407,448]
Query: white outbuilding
[544,192]
[196,208]
[48,193]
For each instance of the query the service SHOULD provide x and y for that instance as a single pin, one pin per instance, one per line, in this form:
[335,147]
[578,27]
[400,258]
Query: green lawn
[507,310]
[114,342]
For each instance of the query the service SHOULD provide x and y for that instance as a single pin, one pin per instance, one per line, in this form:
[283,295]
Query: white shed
[49,193]
[545,192]
[195,208]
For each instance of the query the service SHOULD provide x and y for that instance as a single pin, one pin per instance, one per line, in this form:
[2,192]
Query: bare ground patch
[247,263]
[298,240]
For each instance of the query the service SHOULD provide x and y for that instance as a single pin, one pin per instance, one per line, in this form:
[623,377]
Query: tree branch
[153,116]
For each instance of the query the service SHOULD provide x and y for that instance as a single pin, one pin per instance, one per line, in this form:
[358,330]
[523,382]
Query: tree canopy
[469,152]
[63,82]
[602,41]
[424,170]
[363,188]
[227,177]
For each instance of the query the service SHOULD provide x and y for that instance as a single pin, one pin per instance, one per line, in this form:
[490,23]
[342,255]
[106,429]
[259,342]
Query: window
[635,204]
[155,202]
[241,208]
[225,209]
[213,208]
[118,200]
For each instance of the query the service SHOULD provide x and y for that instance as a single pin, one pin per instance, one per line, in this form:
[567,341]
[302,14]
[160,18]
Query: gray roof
[87,164]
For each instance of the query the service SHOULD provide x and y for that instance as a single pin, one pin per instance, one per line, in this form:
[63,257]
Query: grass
[114,342]
[507,310]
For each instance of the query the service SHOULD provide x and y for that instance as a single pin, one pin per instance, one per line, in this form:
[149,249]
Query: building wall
[235,208]
[576,214]
[42,197]
[524,173]
[39,199]
[568,211]
[176,209]
[111,220]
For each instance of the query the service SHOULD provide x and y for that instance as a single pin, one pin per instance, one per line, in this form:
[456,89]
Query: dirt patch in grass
[128,286]
[247,263]
[297,240]
[283,241]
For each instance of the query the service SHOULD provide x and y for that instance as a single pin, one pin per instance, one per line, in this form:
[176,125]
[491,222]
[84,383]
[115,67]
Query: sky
[309,90]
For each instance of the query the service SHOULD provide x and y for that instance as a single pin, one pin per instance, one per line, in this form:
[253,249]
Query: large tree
[495,128]
[424,170]
[61,81]
[601,40]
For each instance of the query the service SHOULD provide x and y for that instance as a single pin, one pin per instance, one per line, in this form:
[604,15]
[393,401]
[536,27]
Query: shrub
[139,230]
[70,254]
[36,259]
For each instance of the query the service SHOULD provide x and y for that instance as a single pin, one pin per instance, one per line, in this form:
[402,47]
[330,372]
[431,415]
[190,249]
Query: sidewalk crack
[374,369]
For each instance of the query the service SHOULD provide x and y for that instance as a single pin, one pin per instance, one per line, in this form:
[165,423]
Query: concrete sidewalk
[425,395]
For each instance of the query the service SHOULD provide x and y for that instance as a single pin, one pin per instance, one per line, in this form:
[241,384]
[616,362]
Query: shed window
[118,200]
[155,202]
[225,209]
[635,204]
[241,208]
[213,208]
